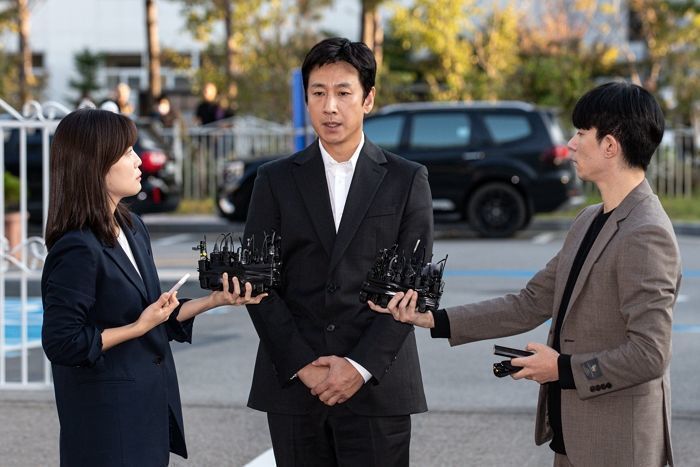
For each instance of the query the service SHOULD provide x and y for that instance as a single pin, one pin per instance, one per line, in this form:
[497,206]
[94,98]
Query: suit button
[330,328]
[332,287]
[158,360]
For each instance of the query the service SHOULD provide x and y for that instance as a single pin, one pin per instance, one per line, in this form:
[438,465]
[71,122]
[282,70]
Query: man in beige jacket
[604,374]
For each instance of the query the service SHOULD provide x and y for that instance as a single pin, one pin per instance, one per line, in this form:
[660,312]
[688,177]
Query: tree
[27,81]
[497,54]
[436,33]
[371,30]
[86,64]
[670,30]
[256,55]
[154,82]
[239,23]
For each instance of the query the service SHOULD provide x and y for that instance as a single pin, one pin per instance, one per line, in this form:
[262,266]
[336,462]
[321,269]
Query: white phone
[180,283]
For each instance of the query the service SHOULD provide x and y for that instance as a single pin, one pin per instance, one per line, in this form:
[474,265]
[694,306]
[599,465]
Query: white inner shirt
[338,177]
[124,243]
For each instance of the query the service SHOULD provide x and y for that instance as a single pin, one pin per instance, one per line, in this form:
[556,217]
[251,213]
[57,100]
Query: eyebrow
[339,85]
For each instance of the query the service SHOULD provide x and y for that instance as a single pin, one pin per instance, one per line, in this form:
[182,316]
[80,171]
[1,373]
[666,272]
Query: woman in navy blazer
[107,326]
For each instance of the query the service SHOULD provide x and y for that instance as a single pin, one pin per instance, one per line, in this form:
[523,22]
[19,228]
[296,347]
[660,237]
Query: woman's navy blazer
[120,407]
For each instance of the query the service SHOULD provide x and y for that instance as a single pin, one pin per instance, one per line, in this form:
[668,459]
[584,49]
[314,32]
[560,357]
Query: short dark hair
[627,112]
[338,49]
[86,144]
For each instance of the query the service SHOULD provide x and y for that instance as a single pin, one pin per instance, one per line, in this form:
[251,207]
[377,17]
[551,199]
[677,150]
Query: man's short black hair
[627,112]
[338,49]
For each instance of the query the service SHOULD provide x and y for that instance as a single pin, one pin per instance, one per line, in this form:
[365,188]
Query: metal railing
[674,169]
[202,151]
[22,362]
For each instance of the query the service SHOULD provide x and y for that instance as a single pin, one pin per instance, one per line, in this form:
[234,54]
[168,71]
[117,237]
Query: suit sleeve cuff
[442,324]
[366,375]
[566,376]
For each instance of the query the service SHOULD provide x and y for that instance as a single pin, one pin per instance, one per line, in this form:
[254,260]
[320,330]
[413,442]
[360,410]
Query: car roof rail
[520,105]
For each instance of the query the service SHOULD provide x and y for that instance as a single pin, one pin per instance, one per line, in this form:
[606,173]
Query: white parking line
[266,459]
[172,240]
[543,238]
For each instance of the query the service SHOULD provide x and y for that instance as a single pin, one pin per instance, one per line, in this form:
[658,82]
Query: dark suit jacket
[120,407]
[317,311]
[617,329]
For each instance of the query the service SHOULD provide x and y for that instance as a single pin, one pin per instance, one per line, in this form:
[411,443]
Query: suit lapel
[117,255]
[365,183]
[606,234]
[139,248]
[310,177]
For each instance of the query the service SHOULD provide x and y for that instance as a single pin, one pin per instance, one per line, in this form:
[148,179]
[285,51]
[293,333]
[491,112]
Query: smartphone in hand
[179,283]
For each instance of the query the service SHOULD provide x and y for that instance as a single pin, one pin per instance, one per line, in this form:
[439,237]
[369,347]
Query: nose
[137,160]
[329,105]
[571,144]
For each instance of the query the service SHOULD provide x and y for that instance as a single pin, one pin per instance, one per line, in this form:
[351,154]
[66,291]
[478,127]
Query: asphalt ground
[474,418]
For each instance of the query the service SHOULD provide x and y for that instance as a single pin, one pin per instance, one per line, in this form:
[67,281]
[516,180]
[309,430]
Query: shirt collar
[329,162]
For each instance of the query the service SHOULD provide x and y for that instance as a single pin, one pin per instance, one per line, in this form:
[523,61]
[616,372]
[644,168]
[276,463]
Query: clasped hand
[332,379]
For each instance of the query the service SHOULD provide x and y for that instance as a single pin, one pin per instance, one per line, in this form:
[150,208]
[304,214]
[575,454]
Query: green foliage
[12,187]
[264,57]
[434,33]
[86,64]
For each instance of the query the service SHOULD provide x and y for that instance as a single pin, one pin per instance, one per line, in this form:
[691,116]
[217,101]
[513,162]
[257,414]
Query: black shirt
[566,379]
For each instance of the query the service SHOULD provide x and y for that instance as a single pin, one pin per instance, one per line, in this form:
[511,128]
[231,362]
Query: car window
[385,131]
[436,131]
[507,128]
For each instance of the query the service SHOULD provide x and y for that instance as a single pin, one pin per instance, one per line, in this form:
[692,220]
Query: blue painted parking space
[13,320]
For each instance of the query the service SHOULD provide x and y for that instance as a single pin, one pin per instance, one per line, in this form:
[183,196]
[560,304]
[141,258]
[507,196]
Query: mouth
[331,124]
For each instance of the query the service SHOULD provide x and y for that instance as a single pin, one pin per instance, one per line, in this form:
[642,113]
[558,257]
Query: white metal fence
[22,362]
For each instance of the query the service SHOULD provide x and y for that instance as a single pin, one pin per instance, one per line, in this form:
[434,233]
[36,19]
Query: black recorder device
[260,266]
[505,368]
[394,272]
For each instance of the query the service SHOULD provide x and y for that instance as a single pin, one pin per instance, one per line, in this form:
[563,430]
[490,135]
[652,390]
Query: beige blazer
[617,328]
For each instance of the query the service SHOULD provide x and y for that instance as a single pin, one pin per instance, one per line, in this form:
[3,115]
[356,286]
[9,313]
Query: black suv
[493,163]
[159,190]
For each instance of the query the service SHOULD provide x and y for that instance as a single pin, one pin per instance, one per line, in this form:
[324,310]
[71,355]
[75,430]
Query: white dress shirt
[339,176]
[124,243]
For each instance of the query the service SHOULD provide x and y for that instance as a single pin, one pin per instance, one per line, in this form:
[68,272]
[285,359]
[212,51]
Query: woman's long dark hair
[86,144]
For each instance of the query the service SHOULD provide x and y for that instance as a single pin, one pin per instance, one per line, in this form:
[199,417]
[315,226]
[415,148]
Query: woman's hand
[157,312]
[226,297]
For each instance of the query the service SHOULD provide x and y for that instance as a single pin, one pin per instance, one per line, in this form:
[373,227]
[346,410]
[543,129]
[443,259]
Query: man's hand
[402,307]
[342,383]
[541,367]
[312,375]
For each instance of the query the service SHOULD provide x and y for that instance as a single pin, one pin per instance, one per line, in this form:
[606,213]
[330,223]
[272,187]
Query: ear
[369,100]
[611,147]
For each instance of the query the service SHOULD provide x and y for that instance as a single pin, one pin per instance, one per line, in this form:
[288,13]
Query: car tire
[496,210]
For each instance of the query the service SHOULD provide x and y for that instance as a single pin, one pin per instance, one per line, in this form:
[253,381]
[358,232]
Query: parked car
[494,164]
[159,190]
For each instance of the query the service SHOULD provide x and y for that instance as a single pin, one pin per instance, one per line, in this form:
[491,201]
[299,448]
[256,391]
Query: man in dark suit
[609,292]
[338,381]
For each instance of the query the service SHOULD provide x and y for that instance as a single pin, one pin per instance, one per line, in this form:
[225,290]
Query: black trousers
[336,437]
